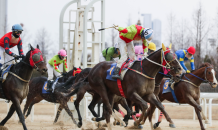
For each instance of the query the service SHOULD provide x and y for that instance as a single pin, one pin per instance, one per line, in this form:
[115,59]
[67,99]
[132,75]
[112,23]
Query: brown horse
[187,90]
[80,88]
[138,88]
[15,88]
[35,94]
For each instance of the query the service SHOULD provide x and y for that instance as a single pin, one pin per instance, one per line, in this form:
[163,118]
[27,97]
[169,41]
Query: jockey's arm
[145,45]
[109,54]
[65,65]
[192,63]
[19,46]
[6,46]
[122,30]
[181,60]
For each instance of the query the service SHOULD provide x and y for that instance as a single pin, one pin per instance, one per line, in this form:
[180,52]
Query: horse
[135,85]
[15,87]
[187,90]
[35,94]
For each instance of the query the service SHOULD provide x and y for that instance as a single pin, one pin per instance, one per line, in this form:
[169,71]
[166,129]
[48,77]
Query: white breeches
[101,58]
[124,48]
[52,71]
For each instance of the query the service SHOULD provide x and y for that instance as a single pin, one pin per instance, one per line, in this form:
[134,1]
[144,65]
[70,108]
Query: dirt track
[44,116]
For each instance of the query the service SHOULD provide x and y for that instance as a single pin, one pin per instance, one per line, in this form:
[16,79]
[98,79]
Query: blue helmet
[17,27]
[147,33]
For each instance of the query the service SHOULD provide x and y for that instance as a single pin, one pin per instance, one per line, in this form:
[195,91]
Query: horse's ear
[37,46]
[31,48]
[163,47]
[170,46]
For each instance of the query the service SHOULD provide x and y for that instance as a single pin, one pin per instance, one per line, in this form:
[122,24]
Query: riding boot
[116,73]
[49,85]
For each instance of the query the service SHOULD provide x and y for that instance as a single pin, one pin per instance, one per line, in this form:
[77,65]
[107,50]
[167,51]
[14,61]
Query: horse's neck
[193,79]
[23,70]
[151,68]
[159,77]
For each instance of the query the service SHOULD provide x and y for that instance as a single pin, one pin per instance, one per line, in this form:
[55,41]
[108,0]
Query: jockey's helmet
[17,27]
[62,53]
[152,46]
[147,33]
[191,50]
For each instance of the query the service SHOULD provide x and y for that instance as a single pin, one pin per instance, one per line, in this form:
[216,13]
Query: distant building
[3,17]
[156,26]
[147,23]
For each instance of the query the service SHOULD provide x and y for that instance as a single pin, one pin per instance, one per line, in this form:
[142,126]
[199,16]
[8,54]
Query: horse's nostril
[45,70]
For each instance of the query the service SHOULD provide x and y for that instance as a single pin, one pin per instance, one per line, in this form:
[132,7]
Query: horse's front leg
[10,113]
[151,98]
[16,104]
[58,113]
[138,100]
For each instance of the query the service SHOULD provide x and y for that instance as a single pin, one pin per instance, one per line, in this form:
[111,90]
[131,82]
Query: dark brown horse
[138,88]
[15,88]
[187,90]
[80,88]
[35,94]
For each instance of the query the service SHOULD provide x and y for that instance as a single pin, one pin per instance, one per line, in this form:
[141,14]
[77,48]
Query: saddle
[52,85]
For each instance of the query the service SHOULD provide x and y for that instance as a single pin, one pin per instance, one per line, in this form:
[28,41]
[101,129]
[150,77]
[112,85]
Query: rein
[205,71]
[27,81]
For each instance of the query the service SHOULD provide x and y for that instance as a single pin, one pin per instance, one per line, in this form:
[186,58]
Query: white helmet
[116,45]
[147,33]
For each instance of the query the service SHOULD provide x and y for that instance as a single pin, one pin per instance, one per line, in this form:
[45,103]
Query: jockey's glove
[187,71]
[64,74]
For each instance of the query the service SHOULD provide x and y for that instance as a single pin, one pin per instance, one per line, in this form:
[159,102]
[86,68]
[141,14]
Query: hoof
[118,123]
[142,123]
[135,124]
[207,122]
[79,125]
[126,122]
[155,126]
[172,125]
[93,118]
[140,127]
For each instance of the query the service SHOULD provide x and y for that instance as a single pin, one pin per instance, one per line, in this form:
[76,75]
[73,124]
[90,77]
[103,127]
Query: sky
[36,14]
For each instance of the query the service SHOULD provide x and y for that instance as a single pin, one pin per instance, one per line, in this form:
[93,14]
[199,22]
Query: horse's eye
[209,72]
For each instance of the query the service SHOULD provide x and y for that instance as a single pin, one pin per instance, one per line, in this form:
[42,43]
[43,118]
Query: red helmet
[191,50]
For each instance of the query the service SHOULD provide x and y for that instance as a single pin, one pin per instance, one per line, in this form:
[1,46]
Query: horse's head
[171,62]
[35,59]
[209,74]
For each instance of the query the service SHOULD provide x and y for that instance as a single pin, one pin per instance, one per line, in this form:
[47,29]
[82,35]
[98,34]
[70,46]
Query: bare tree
[43,40]
[200,31]
[171,29]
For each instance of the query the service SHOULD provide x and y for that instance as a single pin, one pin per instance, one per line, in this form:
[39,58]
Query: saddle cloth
[167,89]
[125,65]
[5,71]
[44,88]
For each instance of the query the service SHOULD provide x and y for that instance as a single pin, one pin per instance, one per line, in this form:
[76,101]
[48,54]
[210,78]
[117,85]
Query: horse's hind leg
[35,100]
[10,113]
[70,113]
[58,113]
[96,98]
[79,97]
[30,97]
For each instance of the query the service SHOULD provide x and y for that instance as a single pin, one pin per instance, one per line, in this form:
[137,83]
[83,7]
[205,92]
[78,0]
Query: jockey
[110,53]
[151,48]
[184,55]
[126,36]
[8,41]
[53,64]
[139,50]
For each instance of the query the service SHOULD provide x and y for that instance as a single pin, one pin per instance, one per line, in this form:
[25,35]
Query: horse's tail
[75,87]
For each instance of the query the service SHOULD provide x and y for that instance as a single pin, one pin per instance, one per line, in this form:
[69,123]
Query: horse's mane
[206,64]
